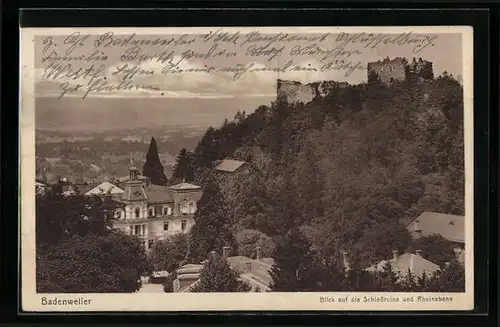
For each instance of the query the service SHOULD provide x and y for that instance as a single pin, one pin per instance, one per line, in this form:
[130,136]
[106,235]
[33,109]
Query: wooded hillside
[349,169]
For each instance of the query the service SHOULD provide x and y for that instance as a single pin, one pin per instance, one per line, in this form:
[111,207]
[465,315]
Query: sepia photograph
[288,168]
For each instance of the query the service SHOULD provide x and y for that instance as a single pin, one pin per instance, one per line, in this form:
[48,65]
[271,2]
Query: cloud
[188,79]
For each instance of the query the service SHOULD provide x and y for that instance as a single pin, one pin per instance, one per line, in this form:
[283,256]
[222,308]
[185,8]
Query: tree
[249,239]
[168,255]
[386,279]
[452,279]
[358,279]
[168,284]
[59,217]
[354,165]
[436,249]
[212,230]
[184,166]
[112,263]
[292,263]
[152,167]
[218,276]
[408,282]
[79,252]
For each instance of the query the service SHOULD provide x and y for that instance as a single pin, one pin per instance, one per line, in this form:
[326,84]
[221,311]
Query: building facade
[155,212]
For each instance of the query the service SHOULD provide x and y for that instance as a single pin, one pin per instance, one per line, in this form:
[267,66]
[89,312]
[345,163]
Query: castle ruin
[387,71]
[295,92]
[399,69]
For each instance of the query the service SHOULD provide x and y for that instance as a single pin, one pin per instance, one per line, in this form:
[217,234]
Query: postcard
[252,168]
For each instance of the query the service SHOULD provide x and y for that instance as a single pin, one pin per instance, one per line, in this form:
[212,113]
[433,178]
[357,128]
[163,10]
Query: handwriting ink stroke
[47,42]
[343,65]
[325,53]
[220,36]
[110,40]
[57,71]
[214,51]
[75,40]
[101,85]
[255,36]
[127,71]
[94,56]
[264,51]
[67,87]
[372,41]
[239,70]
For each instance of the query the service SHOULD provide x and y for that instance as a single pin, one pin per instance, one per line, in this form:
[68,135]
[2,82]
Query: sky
[214,89]
[446,55]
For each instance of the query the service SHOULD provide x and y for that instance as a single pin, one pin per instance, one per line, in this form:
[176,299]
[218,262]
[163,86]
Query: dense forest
[349,170]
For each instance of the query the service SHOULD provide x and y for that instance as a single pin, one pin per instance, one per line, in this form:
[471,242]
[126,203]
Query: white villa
[155,212]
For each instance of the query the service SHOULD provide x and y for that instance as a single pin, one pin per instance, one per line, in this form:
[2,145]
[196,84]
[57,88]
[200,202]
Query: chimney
[345,259]
[259,253]
[418,252]
[248,266]
[225,252]
[395,255]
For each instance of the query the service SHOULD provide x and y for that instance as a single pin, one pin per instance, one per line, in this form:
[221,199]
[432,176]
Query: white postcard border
[31,301]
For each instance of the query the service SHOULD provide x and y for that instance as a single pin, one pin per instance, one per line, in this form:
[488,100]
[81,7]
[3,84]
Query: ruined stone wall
[295,92]
[421,68]
[389,71]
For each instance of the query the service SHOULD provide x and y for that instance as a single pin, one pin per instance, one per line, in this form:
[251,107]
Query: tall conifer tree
[212,230]
[152,167]
[183,168]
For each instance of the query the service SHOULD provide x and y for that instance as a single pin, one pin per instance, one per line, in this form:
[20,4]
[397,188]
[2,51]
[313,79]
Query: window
[183,224]
[167,211]
[118,214]
[137,230]
[137,212]
[165,226]
[150,244]
[151,212]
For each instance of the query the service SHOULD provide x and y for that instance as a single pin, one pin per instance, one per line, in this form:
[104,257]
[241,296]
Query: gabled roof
[184,186]
[229,165]
[408,261]
[105,188]
[451,227]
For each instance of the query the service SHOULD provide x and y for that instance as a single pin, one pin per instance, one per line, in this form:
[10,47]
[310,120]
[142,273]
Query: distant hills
[101,114]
